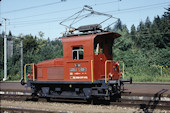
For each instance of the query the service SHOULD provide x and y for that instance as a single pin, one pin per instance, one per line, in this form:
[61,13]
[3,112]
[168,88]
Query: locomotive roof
[112,34]
[50,62]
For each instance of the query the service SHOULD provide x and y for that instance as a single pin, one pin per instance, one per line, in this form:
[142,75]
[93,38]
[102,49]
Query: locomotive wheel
[22,82]
[116,98]
[106,102]
[34,97]
[92,101]
[95,101]
[48,99]
[89,101]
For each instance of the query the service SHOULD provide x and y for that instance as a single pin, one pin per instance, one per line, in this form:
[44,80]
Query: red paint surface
[61,69]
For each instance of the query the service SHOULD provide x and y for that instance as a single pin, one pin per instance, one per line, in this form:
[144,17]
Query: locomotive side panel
[55,73]
[71,44]
[50,70]
[78,70]
[41,73]
[78,53]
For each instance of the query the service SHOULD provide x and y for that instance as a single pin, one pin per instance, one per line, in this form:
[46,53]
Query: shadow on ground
[152,104]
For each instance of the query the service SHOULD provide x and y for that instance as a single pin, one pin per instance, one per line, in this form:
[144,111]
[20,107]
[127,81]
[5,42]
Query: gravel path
[73,108]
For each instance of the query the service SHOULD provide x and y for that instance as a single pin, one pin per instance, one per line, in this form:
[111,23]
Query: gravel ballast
[73,108]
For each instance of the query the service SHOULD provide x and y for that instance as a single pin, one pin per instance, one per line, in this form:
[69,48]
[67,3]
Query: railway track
[163,105]
[146,97]
[24,110]
[126,101]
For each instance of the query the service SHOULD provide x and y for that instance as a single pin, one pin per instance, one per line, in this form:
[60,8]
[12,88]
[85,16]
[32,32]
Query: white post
[161,70]
[5,54]
[21,57]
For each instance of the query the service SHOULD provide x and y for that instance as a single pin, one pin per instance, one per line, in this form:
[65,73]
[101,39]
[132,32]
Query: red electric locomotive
[86,71]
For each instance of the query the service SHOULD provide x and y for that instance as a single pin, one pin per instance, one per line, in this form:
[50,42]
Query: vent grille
[55,73]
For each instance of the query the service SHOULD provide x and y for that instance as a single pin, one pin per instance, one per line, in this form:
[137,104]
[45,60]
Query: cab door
[102,52]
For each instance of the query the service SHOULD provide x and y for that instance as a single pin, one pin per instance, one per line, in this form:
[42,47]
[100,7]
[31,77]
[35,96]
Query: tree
[147,22]
[167,13]
[10,33]
[29,44]
[166,33]
[133,32]
[41,34]
[118,26]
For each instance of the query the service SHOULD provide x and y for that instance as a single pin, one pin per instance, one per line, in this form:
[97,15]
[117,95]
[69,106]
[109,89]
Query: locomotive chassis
[78,90]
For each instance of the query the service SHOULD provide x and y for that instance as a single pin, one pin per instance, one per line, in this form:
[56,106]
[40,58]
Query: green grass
[147,78]
[148,74]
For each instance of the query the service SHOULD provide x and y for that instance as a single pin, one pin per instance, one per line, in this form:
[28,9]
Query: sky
[33,16]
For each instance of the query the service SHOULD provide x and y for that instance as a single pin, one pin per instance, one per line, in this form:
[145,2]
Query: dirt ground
[74,108]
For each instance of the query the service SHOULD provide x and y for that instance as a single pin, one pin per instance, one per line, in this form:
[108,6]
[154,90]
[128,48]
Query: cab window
[98,48]
[77,52]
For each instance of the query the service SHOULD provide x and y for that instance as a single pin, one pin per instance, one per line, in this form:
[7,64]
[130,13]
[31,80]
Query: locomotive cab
[103,57]
[89,57]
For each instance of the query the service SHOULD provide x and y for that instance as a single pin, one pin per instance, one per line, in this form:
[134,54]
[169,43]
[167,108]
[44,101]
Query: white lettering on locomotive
[78,77]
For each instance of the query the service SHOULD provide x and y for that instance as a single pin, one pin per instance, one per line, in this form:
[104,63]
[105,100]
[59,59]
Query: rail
[140,102]
[25,110]
[25,71]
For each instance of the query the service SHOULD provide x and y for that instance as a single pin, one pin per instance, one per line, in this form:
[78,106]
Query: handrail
[106,69]
[33,70]
[92,71]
